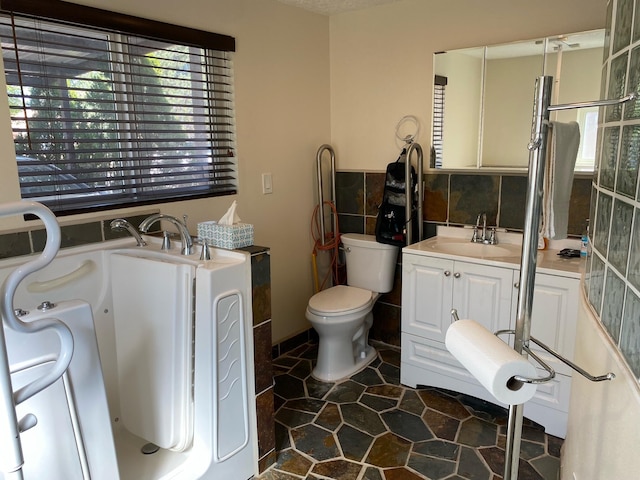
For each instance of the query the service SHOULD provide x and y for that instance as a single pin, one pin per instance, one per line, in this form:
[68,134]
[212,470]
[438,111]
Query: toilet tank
[370,265]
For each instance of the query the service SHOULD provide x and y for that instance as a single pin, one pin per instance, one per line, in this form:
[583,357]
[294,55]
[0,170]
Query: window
[103,117]
[588,121]
[439,84]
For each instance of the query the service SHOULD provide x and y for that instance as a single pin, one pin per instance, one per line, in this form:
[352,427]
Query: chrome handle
[456,275]
[447,273]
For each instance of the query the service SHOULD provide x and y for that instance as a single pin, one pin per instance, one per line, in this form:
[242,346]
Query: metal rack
[537,159]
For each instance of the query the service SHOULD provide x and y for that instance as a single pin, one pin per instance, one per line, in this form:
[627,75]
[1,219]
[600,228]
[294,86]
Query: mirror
[483,99]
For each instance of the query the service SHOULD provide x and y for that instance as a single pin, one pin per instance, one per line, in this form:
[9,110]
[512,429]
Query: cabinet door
[483,294]
[553,319]
[426,296]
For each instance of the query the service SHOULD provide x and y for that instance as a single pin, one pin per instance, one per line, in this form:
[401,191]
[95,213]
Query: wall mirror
[483,99]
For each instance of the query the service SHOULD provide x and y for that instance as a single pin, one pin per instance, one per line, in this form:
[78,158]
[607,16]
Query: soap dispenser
[584,242]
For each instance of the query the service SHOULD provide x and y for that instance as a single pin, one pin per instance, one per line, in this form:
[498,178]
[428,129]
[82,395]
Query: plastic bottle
[584,242]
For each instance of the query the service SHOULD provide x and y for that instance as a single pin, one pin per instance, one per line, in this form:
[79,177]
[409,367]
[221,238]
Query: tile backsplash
[452,199]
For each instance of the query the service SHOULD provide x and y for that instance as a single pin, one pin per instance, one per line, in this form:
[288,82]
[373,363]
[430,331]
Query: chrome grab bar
[332,154]
[12,459]
[420,192]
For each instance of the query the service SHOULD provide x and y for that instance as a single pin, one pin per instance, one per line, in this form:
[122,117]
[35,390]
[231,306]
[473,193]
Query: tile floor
[370,427]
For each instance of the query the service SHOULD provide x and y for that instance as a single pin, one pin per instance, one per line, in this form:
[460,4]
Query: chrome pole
[420,190]
[321,190]
[537,159]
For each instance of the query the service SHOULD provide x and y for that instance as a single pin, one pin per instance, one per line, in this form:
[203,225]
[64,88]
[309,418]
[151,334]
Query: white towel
[563,141]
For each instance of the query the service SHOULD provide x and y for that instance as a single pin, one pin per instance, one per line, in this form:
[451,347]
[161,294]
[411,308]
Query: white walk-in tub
[174,336]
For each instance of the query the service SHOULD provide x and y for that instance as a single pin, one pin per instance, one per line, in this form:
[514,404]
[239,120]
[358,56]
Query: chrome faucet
[185,237]
[484,228]
[485,239]
[120,224]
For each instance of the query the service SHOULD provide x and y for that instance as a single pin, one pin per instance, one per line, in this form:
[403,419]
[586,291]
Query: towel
[562,150]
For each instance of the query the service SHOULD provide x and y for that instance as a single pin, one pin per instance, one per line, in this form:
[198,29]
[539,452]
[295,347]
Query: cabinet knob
[517,284]
[447,273]
[456,275]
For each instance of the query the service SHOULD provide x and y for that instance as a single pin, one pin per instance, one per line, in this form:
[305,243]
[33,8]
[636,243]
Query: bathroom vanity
[481,283]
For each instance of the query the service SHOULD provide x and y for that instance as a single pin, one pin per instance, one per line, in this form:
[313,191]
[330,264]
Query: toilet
[341,315]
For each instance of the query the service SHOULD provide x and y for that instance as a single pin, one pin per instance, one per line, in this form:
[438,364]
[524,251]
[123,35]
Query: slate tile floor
[370,427]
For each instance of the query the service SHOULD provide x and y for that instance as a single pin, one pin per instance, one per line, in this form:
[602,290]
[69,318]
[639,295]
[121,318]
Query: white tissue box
[226,236]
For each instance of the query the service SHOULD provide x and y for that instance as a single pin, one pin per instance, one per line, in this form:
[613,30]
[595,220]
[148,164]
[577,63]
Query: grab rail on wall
[537,159]
[12,459]
[419,191]
[332,154]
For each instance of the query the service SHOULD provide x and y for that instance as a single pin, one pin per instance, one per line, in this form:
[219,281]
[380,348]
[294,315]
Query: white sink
[468,249]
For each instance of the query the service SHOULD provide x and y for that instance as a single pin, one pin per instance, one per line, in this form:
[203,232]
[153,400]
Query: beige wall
[282,100]
[603,435]
[381,61]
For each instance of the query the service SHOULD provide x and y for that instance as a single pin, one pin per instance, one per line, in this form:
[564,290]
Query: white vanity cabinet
[487,292]
[431,287]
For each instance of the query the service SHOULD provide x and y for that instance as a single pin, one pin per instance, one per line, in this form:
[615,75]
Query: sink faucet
[484,228]
[185,237]
[120,224]
[489,239]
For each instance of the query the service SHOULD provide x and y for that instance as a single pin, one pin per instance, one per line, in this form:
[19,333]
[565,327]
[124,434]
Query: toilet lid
[339,299]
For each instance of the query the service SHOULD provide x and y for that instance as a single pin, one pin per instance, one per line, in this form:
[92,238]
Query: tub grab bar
[12,459]
[85,268]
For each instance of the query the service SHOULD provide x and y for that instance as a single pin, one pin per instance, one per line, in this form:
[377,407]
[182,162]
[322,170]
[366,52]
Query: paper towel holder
[550,371]
[566,361]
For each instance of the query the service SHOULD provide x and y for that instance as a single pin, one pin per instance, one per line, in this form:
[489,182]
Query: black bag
[391,222]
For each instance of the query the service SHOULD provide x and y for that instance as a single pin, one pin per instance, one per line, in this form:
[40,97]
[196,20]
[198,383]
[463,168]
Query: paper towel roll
[491,361]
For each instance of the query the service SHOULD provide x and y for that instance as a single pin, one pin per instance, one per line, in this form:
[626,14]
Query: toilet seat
[340,300]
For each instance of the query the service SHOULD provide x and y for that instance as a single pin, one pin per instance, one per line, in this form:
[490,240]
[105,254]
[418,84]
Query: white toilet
[342,314]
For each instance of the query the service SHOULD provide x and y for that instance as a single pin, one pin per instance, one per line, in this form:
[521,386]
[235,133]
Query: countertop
[507,253]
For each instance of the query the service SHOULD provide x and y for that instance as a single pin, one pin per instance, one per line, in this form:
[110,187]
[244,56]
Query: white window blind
[439,85]
[103,119]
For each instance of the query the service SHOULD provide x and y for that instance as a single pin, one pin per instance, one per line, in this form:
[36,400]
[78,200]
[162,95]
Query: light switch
[267,183]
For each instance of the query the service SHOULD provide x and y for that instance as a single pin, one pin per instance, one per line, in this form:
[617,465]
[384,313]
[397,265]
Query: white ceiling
[331,7]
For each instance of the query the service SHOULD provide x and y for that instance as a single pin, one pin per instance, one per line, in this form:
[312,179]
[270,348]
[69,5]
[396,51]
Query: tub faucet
[120,224]
[185,237]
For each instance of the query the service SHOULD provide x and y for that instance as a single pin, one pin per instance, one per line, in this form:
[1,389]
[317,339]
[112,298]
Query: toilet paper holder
[550,371]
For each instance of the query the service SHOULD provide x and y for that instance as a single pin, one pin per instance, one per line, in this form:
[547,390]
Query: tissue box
[226,236]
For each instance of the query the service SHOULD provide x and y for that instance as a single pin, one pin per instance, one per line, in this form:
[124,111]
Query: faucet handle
[206,252]
[493,240]
[166,241]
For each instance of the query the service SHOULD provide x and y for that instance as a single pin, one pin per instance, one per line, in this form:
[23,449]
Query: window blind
[103,119]
[439,85]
